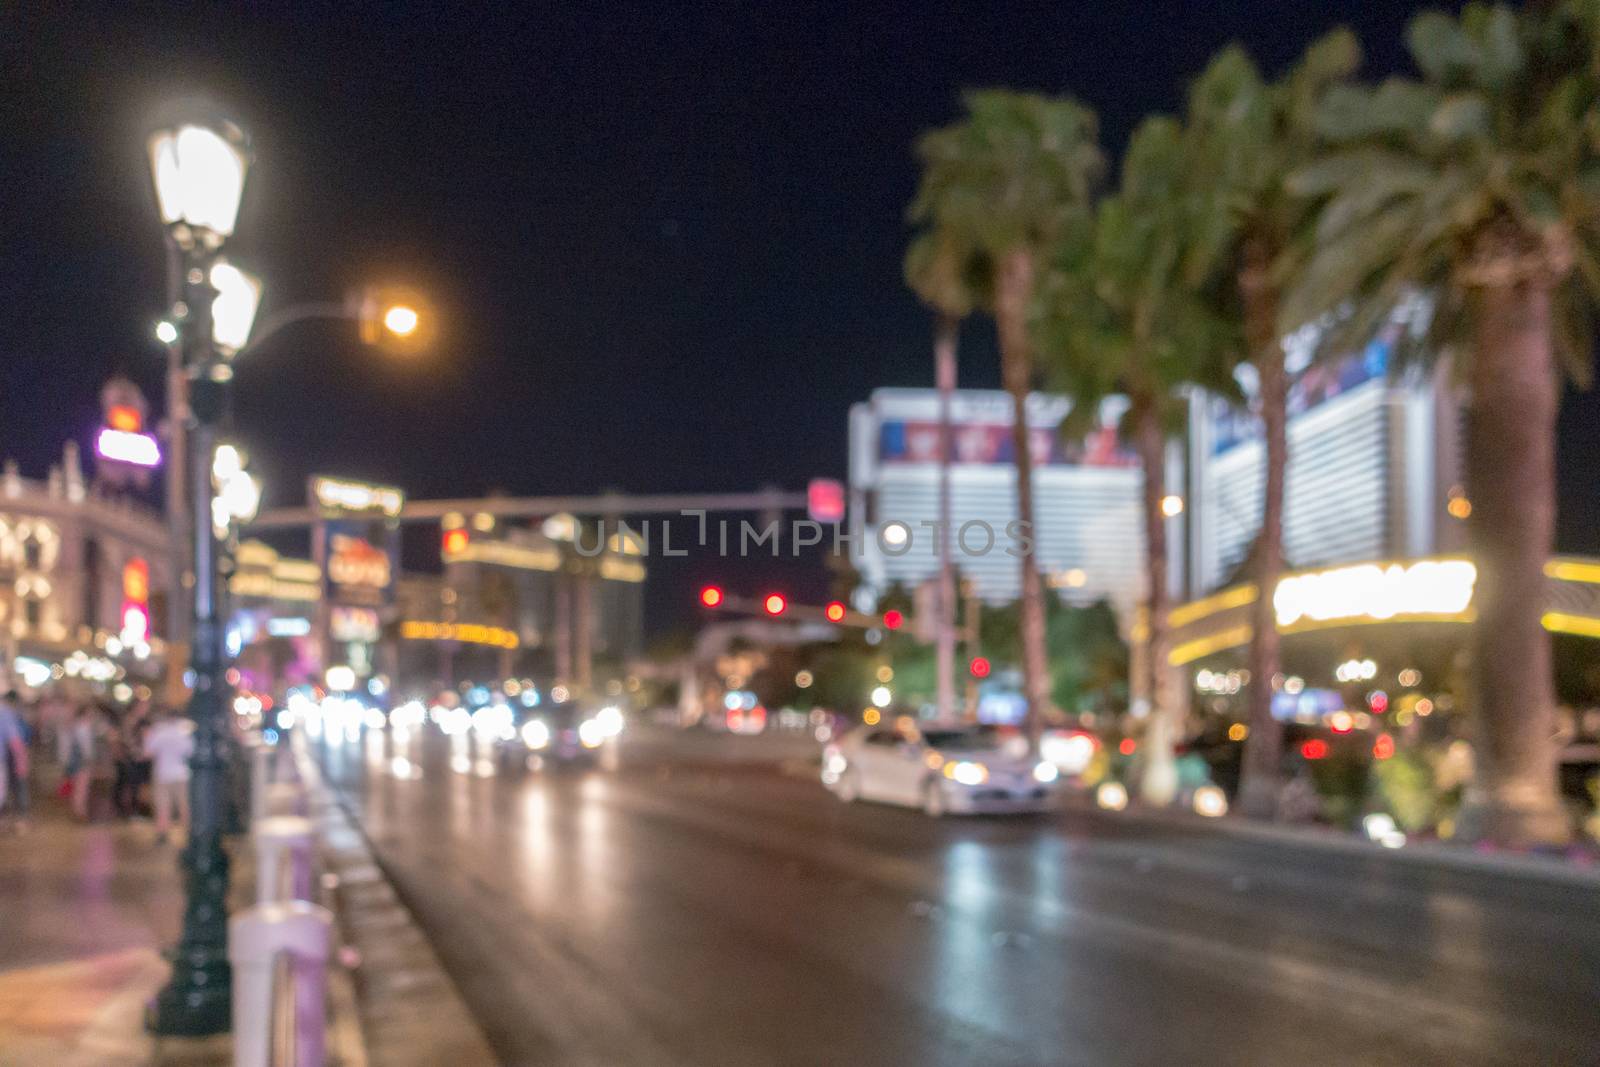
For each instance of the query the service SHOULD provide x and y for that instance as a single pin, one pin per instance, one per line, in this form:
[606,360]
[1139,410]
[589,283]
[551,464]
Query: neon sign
[1374,591]
[336,494]
[123,446]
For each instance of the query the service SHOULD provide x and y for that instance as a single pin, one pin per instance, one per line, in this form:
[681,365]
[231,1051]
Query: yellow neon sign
[467,633]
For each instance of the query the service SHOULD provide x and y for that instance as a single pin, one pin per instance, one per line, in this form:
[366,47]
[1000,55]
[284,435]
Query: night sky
[666,239]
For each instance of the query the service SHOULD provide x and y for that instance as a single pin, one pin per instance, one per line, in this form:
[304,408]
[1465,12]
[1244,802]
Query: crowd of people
[105,760]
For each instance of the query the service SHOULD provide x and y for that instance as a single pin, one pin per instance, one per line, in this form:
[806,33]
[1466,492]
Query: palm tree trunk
[1263,748]
[944,359]
[1511,483]
[1014,290]
[1158,783]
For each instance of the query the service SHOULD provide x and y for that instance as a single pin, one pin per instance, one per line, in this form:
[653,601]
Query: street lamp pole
[198,997]
[199,174]
[177,488]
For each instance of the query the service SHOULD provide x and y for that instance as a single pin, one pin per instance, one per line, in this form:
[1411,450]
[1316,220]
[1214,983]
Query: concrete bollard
[261,760]
[279,838]
[304,932]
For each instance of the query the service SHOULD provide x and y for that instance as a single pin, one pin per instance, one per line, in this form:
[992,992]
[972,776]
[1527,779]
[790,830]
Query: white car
[939,769]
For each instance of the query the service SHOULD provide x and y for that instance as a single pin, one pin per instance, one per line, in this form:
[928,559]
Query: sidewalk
[84,913]
[1559,870]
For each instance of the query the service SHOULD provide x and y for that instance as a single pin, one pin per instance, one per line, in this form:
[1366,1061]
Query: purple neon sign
[139,449]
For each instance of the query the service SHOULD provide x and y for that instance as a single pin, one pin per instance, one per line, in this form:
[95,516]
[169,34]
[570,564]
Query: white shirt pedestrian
[169,743]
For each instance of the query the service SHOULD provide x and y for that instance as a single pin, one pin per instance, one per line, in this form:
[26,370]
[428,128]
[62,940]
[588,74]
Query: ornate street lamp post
[199,168]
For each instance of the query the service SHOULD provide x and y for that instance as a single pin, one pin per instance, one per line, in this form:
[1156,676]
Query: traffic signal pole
[743,605]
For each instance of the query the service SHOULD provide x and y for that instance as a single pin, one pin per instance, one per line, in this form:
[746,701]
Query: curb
[409,1010]
[1423,853]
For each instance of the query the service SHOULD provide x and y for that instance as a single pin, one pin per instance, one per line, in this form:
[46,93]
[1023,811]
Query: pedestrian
[169,743]
[55,724]
[82,744]
[128,751]
[13,761]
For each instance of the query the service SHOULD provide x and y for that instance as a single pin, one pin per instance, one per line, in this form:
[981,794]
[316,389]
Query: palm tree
[934,268]
[1121,317]
[1244,136]
[1001,185]
[1479,183]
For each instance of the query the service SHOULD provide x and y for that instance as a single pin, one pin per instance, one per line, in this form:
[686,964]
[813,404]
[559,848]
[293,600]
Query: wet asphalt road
[704,903]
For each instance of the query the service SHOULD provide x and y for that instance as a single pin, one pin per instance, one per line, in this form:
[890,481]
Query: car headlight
[966,773]
[1210,801]
[610,720]
[1113,796]
[591,733]
[1045,771]
[535,734]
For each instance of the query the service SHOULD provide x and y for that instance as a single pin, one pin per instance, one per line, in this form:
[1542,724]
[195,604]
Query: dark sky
[666,238]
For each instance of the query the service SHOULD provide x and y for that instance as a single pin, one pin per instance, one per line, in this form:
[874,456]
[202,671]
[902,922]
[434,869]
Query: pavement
[85,911]
[693,907]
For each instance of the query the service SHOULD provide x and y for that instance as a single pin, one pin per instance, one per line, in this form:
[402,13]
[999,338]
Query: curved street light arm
[278,320]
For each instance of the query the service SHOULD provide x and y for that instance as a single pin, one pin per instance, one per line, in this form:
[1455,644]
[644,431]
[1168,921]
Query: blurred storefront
[548,600]
[84,574]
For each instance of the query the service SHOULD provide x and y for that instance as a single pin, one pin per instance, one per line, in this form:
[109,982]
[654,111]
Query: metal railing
[280,947]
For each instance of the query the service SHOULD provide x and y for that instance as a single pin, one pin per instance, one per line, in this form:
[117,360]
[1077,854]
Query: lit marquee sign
[355,561]
[1376,591]
[357,546]
[337,494]
[122,439]
[122,446]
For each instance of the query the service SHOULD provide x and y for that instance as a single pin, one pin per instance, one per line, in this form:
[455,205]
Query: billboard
[357,544]
[983,436]
[1312,387]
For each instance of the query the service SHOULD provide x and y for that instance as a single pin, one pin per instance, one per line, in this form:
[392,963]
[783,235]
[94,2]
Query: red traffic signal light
[711,596]
[835,611]
[980,667]
[455,541]
[774,603]
[825,500]
[894,619]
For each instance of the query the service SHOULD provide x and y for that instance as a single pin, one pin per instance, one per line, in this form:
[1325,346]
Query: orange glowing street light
[401,320]
[394,317]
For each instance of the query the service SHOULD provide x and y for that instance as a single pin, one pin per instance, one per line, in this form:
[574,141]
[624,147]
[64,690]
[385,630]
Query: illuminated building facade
[546,601]
[272,629]
[1374,472]
[1374,465]
[83,580]
[1090,543]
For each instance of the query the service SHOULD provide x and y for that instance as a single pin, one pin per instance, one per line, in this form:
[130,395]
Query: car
[569,732]
[957,769]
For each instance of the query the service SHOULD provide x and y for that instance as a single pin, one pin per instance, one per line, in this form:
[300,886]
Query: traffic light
[774,603]
[980,667]
[711,596]
[455,542]
[835,611]
[894,619]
